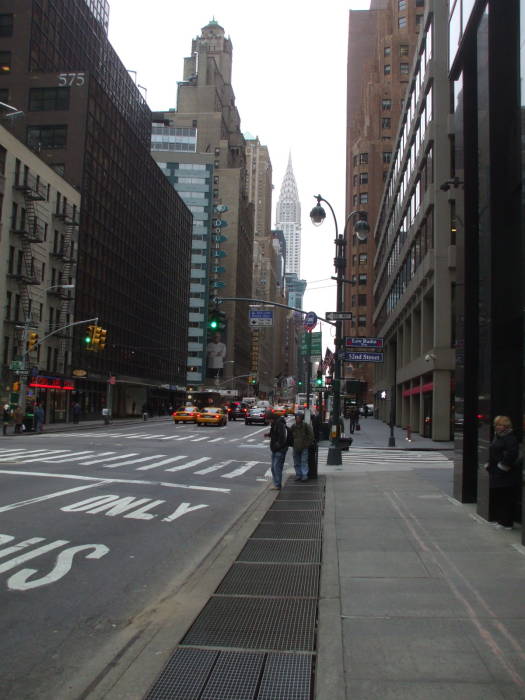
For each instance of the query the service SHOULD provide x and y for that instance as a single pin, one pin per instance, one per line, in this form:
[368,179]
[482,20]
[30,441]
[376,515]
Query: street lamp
[361,228]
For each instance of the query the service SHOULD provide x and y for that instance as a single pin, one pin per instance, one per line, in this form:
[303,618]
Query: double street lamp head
[361,226]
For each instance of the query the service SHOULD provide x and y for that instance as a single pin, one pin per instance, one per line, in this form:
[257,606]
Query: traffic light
[102,339]
[95,344]
[88,338]
[319,379]
[216,320]
[252,379]
[32,341]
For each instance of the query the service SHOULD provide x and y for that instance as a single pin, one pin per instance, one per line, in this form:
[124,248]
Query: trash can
[313,456]
[29,421]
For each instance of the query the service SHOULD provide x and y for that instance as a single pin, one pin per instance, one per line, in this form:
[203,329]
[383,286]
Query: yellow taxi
[212,416]
[279,411]
[186,414]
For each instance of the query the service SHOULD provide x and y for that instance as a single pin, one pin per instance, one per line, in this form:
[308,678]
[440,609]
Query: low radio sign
[356,342]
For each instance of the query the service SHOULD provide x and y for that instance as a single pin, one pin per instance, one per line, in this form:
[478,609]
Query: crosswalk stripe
[193,463]
[29,453]
[200,439]
[214,467]
[169,437]
[49,453]
[109,459]
[241,470]
[70,457]
[217,439]
[186,437]
[156,464]
[131,461]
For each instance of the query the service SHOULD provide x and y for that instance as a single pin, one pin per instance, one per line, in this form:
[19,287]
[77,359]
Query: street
[95,527]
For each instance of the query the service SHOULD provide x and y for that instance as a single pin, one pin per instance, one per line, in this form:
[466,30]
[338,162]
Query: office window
[354,200]
[50,98]
[387,156]
[420,3]
[361,299]
[362,278]
[402,5]
[402,22]
[403,49]
[44,137]
[361,321]
[6,25]
[5,62]
[419,20]
[363,198]
[363,158]
[387,69]
[386,105]
[403,68]
[363,258]
[11,263]
[386,123]
[8,306]
[363,178]
[387,50]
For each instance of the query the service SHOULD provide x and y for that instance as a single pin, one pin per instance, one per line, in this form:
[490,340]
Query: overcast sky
[289,80]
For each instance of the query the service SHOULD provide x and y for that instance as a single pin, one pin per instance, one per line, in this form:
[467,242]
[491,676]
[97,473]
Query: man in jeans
[303,437]
[278,445]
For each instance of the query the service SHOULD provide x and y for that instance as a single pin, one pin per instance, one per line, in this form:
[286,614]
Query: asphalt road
[96,526]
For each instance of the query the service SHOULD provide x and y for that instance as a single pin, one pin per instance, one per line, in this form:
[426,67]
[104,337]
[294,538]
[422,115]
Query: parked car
[186,414]
[257,414]
[212,416]
[237,409]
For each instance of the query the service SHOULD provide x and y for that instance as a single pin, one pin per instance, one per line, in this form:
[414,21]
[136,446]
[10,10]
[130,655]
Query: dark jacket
[278,435]
[303,435]
[504,450]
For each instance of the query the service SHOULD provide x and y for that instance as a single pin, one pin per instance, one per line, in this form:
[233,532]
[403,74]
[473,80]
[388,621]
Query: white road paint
[147,467]
[241,470]
[182,510]
[110,459]
[200,439]
[217,439]
[214,467]
[14,549]
[132,461]
[188,465]
[13,563]
[129,507]
[47,497]
[28,453]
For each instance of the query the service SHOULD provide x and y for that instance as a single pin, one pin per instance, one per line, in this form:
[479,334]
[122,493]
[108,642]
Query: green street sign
[315,348]
[16,365]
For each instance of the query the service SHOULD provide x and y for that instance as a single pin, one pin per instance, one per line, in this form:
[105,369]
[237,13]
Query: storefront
[54,395]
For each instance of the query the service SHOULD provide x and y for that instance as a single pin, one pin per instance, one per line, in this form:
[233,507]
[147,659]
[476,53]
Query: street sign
[312,341]
[310,321]
[350,356]
[16,365]
[260,317]
[356,342]
[339,316]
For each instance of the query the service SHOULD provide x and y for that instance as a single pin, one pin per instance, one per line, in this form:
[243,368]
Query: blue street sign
[350,356]
[310,321]
[260,317]
[357,342]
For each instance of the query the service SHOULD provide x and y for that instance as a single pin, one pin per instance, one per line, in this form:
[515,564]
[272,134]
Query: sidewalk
[92,424]
[420,597]
[375,433]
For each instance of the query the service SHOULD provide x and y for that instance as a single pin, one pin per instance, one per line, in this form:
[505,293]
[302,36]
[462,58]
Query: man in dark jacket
[504,468]
[303,437]
[278,445]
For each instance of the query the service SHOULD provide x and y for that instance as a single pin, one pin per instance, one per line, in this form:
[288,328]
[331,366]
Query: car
[237,409]
[257,414]
[186,414]
[212,416]
[279,411]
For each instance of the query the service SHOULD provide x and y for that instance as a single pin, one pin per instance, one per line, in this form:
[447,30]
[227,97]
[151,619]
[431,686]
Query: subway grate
[298,505]
[286,677]
[184,676]
[279,580]
[234,677]
[277,624]
[292,516]
[279,551]
[284,531]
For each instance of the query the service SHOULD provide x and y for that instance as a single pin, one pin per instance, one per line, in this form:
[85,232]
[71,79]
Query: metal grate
[279,551]
[184,676]
[292,580]
[300,495]
[255,623]
[292,531]
[234,677]
[297,505]
[292,516]
[286,677]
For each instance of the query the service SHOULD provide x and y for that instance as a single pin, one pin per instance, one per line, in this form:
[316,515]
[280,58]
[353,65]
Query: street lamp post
[361,229]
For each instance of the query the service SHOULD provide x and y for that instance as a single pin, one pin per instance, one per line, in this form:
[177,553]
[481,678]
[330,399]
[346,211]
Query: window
[361,321]
[386,123]
[354,200]
[46,99]
[362,278]
[59,168]
[387,51]
[6,25]
[419,20]
[361,299]
[5,62]
[363,178]
[363,198]
[387,156]
[4,95]
[353,299]
[403,68]
[402,22]
[402,5]
[363,158]
[47,136]
[403,49]
[354,180]
[386,105]
[387,69]
[363,258]
[354,161]
[420,3]
[11,264]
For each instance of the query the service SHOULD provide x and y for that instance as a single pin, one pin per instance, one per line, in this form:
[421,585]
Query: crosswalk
[187,437]
[116,459]
[367,459]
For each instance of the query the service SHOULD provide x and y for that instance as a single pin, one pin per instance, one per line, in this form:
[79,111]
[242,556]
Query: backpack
[289,437]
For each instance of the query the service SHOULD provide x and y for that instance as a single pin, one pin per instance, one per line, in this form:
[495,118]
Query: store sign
[42,382]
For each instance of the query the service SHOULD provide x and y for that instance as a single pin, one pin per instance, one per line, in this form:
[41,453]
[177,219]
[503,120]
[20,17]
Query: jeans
[300,463]
[277,467]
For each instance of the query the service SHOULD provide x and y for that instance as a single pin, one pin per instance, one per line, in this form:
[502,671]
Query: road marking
[239,471]
[49,496]
[214,467]
[170,437]
[200,439]
[132,461]
[28,453]
[32,555]
[193,463]
[217,439]
[73,457]
[156,464]
[187,437]
[109,459]
[21,545]
[43,453]
[112,480]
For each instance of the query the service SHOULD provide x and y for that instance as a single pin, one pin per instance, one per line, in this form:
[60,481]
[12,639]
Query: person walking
[504,468]
[354,418]
[76,410]
[18,416]
[279,446]
[38,418]
[106,415]
[6,417]
[303,437]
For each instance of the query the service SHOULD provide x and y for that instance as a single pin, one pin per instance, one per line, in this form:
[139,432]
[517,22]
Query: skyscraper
[288,219]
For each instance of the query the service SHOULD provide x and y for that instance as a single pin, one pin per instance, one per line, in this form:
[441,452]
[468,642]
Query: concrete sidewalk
[375,433]
[93,424]
[420,597]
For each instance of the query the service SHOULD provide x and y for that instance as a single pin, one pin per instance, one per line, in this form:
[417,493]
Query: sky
[289,80]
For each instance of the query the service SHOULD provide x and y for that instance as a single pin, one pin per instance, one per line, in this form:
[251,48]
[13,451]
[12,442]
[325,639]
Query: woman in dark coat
[504,468]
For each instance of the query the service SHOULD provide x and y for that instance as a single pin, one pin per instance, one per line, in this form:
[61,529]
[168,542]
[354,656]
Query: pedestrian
[76,412]
[505,469]
[303,437]
[6,417]
[106,415]
[18,416]
[38,418]
[279,446]
[365,410]
[354,418]
[144,412]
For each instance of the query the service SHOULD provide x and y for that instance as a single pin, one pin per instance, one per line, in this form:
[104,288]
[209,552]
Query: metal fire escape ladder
[70,217]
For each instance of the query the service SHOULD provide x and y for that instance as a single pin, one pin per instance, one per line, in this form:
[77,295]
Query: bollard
[409,433]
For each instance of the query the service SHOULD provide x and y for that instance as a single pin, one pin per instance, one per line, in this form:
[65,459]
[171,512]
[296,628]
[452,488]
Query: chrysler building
[288,220]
